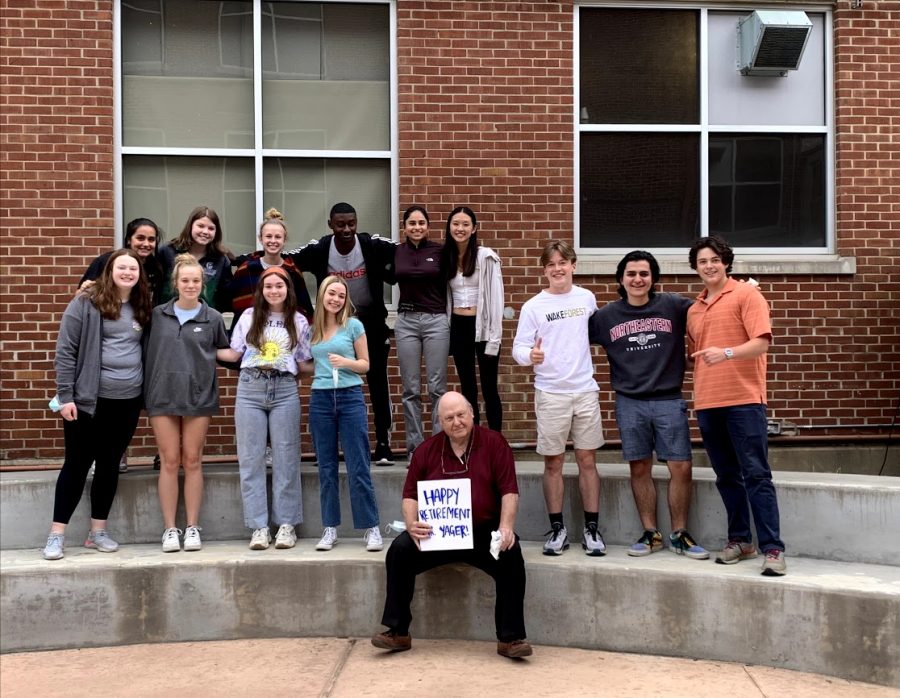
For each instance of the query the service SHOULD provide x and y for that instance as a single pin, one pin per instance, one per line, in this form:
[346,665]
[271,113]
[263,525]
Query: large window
[245,105]
[674,143]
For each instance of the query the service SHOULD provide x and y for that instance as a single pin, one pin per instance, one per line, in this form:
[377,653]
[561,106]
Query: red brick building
[617,126]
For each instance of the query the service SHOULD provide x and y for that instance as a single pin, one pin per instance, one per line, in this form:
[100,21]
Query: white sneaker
[192,538]
[171,543]
[373,540]
[329,539]
[286,537]
[260,539]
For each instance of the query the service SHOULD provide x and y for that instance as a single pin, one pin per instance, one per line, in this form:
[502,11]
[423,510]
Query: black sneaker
[156,462]
[383,454]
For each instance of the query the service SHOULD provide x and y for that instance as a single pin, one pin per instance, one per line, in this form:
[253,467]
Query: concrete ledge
[825,617]
[823,515]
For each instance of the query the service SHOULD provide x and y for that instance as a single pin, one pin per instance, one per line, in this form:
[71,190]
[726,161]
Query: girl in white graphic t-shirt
[271,339]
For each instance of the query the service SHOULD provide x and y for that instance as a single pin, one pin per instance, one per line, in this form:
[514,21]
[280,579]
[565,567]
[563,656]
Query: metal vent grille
[771,42]
[781,47]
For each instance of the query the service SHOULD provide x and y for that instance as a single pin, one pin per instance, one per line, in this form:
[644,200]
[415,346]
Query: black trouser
[100,439]
[465,350]
[379,343]
[404,561]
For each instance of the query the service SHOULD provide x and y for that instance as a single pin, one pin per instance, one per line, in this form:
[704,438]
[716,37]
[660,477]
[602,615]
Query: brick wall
[56,204]
[485,119]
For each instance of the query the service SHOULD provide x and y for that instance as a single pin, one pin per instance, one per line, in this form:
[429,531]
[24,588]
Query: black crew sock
[556,519]
[592,517]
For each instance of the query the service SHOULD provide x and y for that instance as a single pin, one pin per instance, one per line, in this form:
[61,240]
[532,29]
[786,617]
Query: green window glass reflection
[187,74]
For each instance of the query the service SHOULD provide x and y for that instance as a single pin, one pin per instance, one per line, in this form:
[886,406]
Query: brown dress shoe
[393,641]
[514,649]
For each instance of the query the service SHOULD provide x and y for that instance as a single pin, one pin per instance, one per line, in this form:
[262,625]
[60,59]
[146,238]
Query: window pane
[187,74]
[167,189]
[326,75]
[639,190]
[769,191]
[304,190]
[798,99]
[639,66]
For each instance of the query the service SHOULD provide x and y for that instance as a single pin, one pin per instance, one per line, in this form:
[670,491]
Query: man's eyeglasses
[454,460]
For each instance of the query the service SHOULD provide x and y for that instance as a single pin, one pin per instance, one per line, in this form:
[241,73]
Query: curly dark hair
[717,245]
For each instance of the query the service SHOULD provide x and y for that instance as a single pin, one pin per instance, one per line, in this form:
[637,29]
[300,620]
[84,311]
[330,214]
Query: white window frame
[760,260]
[257,153]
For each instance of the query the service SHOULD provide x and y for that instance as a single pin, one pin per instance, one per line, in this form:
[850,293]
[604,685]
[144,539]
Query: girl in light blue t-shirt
[337,409]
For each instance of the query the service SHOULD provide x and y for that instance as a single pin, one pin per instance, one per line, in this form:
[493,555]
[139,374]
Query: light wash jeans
[342,412]
[417,334]
[267,404]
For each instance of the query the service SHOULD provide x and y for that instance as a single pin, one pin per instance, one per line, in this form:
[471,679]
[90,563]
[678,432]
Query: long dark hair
[151,264]
[184,240]
[450,258]
[131,229]
[261,310]
[105,296]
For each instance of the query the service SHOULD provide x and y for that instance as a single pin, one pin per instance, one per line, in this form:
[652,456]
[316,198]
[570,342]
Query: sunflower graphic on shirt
[275,352]
[269,352]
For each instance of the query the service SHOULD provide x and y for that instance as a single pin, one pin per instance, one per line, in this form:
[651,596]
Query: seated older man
[463,450]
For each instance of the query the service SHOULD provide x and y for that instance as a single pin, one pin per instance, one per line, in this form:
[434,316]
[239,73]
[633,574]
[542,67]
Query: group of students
[112,356]
[145,331]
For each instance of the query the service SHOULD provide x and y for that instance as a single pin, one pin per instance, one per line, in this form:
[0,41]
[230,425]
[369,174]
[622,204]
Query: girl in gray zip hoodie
[99,376]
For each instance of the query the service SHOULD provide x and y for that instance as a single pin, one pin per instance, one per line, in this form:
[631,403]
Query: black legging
[465,350]
[100,439]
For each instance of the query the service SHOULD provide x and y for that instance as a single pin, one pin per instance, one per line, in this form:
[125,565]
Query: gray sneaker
[774,564]
[558,540]
[735,551]
[54,548]
[592,541]
[101,541]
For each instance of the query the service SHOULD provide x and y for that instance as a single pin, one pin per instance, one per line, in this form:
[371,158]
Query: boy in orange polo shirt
[729,332]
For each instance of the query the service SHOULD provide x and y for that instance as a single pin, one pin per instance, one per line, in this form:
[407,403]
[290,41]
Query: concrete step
[827,617]
[823,515]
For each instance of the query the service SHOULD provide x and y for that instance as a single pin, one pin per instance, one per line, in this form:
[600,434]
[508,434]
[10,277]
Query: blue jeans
[342,412]
[419,334]
[737,442]
[267,405]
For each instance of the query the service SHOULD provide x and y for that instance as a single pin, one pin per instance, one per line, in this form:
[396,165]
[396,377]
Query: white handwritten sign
[447,506]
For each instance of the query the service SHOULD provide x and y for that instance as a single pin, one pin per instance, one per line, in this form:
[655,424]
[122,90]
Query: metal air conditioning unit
[771,42]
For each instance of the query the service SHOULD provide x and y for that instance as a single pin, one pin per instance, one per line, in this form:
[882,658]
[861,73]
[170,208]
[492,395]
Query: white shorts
[560,415]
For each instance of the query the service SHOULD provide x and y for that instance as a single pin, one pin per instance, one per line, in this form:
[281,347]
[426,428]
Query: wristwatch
[729,353]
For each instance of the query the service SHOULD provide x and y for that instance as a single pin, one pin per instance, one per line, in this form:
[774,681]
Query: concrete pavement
[338,667]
